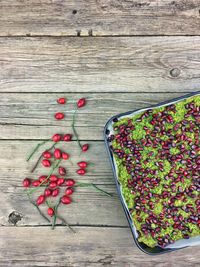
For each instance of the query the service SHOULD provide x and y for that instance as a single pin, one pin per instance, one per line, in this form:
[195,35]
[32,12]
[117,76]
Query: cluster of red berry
[52,183]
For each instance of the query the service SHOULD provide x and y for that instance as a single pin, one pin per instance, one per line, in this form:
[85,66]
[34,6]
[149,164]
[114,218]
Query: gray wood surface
[120,55]
[99,17]
[31,116]
[125,64]
[90,246]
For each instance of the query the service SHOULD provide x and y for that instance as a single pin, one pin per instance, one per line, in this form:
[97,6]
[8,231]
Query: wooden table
[121,55]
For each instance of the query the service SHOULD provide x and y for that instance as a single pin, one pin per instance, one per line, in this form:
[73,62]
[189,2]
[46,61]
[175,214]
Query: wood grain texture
[89,208]
[31,116]
[126,64]
[99,17]
[95,247]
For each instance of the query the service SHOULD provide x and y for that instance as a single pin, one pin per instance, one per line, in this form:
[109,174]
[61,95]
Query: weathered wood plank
[130,64]
[96,247]
[97,18]
[89,208]
[31,116]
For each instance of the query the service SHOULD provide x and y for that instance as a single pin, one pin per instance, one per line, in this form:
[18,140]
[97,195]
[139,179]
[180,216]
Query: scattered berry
[82,164]
[59,116]
[67,137]
[85,147]
[61,100]
[81,102]
[50,212]
[40,200]
[69,182]
[46,154]
[57,153]
[56,137]
[69,191]
[47,192]
[66,200]
[62,170]
[46,163]
[81,172]
[55,192]
[26,182]
[65,156]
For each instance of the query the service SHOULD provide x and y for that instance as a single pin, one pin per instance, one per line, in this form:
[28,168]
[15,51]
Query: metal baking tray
[183,243]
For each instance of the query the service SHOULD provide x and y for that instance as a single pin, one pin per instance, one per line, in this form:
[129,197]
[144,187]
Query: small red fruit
[65,156]
[70,182]
[56,137]
[26,182]
[66,200]
[47,192]
[55,192]
[60,181]
[46,154]
[81,102]
[36,183]
[50,212]
[62,170]
[43,179]
[82,164]
[81,172]
[53,178]
[69,191]
[46,163]
[67,137]
[59,116]
[85,147]
[57,153]
[52,184]
[61,100]
[40,200]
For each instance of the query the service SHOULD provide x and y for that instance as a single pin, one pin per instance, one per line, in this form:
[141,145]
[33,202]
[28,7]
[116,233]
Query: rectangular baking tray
[183,243]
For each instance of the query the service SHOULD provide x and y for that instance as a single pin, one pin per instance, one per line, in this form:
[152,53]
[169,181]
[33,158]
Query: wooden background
[121,55]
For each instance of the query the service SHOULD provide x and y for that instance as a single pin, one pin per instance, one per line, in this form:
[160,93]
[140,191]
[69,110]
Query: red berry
[43,178]
[65,156]
[57,153]
[46,163]
[52,184]
[59,116]
[50,212]
[46,154]
[60,181]
[55,192]
[26,182]
[70,182]
[69,191]
[56,137]
[61,100]
[40,200]
[47,192]
[81,172]
[36,183]
[67,137]
[85,147]
[66,200]
[62,170]
[53,178]
[82,164]
[81,102]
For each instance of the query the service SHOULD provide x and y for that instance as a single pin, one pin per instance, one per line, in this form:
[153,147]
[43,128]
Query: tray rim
[117,183]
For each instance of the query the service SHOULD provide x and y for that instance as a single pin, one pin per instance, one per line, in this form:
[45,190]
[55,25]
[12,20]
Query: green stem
[74,129]
[37,162]
[55,215]
[51,171]
[65,223]
[36,148]
[39,210]
[95,187]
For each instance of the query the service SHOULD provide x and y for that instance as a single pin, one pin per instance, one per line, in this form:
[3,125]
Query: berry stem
[55,215]
[54,166]
[95,187]
[65,223]
[74,129]
[39,210]
[36,149]
[38,161]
